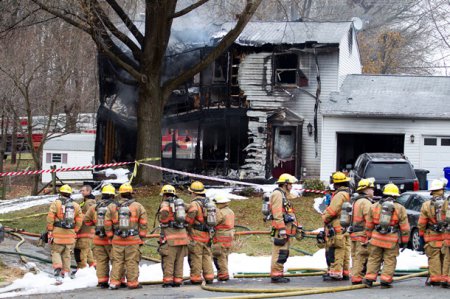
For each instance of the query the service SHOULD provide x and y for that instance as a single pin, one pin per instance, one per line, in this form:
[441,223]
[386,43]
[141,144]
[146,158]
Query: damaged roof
[256,34]
[390,96]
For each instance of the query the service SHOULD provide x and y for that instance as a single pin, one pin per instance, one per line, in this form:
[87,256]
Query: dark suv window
[383,170]
[415,203]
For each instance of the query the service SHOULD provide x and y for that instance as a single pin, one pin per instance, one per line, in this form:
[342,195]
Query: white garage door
[435,155]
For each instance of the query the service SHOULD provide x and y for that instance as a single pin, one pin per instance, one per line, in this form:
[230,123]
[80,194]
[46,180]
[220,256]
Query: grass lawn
[248,214]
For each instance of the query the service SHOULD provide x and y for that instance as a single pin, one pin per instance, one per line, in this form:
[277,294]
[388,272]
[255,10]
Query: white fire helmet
[220,198]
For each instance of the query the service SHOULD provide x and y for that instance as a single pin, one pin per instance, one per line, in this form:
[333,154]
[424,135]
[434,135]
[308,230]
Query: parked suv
[385,168]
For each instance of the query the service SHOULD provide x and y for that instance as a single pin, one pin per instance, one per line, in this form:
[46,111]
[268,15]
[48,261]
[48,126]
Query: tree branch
[188,9]
[226,42]
[62,16]
[117,33]
[127,21]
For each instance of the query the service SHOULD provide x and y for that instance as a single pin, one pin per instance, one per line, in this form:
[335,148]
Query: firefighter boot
[58,277]
[385,285]
[279,279]
[368,283]
[73,273]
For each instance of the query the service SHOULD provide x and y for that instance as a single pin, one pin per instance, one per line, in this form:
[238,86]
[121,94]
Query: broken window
[290,69]
[220,69]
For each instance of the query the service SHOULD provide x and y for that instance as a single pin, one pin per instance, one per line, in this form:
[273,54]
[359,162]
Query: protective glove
[421,244]
[299,233]
[282,233]
[50,237]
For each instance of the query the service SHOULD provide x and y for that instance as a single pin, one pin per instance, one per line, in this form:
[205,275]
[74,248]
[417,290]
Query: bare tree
[35,71]
[147,50]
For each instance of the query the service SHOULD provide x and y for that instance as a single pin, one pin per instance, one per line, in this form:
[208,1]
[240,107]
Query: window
[286,66]
[383,170]
[220,69]
[430,141]
[56,158]
[415,203]
[402,199]
[445,142]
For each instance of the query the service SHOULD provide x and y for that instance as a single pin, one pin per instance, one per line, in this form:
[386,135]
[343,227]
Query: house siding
[349,61]
[74,158]
[255,79]
[418,128]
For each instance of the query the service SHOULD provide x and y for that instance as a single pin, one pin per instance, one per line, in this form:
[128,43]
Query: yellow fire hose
[21,217]
[257,275]
[22,240]
[148,258]
[268,293]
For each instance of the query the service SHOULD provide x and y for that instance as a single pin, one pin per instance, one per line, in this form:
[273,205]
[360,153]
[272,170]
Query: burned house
[252,114]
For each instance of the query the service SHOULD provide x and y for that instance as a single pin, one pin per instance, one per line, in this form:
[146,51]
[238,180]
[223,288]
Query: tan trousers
[360,255]
[172,258]
[61,257]
[280,255]
[83,253]
[125,259]
[378,255]
[338,255]
[200,260]
[435,262]
[446,265]
[102,254]
[220,258]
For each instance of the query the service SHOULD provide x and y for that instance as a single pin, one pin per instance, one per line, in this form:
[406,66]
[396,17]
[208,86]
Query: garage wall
[418,128]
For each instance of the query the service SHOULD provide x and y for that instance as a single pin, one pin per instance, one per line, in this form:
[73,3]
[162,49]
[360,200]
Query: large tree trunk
[148,145]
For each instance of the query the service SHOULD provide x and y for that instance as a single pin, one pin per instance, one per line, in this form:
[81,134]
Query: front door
[284,149]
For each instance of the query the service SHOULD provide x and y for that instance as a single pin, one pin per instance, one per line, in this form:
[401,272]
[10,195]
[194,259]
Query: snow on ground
[318,202]
[22,203]
[120,173]
[238,263]
[213,192]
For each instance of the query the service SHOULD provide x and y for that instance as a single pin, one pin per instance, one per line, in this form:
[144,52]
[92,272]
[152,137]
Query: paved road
[413,288]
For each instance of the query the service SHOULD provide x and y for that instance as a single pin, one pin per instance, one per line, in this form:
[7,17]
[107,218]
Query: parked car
[413,201]
[385,168]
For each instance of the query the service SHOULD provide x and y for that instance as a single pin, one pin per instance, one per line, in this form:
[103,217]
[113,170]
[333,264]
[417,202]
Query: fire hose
[21,217]
[295,291]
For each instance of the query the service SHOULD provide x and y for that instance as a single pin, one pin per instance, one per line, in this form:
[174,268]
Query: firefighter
[127,226]
[64,219]
[360,214]
[446,248]
[102,243]
[174,239]
[223,237]
[201,220]
[387,220]
[83,246]
[432,228]
[284,226]
[337,238]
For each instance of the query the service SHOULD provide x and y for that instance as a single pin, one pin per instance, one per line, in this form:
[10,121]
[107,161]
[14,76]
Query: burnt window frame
[302,69]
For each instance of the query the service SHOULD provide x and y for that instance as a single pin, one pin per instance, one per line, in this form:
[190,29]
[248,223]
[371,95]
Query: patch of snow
[22,203]
[318,201]
[238,263]
[120,173]
[213,192]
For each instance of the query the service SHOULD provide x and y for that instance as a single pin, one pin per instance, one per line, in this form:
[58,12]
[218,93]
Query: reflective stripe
[436,278]
[371,276]
[405,239]
[196,278]
[276,274]
[404,227]
[381,244]
[386,278]
[422,220]
[133,283]
[85,235]
[167,279]
[208,276]
[103,279]
[278,224]
[433,237]
[177,280]
[331,212]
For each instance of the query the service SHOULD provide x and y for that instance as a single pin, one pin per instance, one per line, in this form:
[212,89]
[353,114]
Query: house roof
[71,142]
[390,96]
[256,34]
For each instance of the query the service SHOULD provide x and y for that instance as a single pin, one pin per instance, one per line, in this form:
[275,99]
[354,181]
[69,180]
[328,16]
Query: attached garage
[399,114]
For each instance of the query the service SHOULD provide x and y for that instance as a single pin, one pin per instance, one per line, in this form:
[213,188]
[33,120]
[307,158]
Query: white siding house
[280,111]
[404,114]
[68,151]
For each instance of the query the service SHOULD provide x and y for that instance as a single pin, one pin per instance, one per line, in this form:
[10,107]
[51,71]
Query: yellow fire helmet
[339,177]
[286,178]
[125,188]
[65,189]
[365,183]
[109,189]
[391,190]
[197,187]
[167,189]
